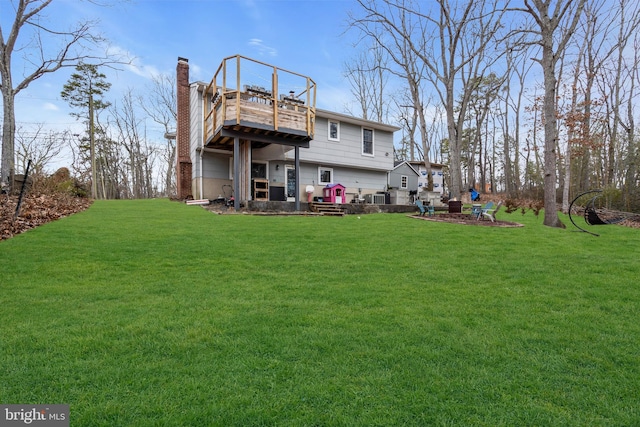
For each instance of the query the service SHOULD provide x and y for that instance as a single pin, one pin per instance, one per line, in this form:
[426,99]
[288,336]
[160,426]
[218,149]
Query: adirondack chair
[491,213]
[421,207]
[486,208]
[429,210]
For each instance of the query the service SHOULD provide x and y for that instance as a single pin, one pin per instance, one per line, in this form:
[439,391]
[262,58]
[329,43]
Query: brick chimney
[183,131]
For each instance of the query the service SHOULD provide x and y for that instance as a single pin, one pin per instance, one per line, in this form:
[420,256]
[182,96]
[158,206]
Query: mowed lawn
[154,313]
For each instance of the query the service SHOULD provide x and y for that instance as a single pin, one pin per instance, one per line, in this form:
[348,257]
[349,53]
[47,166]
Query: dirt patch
[466,220]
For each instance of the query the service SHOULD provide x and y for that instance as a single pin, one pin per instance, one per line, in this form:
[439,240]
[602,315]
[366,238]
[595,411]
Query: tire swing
[591,214]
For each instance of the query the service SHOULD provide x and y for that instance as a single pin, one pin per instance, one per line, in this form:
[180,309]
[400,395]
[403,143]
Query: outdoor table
[476,210]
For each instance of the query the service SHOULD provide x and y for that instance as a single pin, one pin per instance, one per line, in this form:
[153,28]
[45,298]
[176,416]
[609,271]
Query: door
[291,184]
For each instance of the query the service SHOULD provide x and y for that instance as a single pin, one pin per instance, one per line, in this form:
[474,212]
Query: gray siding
[395,177]
[348,151]
[356,171]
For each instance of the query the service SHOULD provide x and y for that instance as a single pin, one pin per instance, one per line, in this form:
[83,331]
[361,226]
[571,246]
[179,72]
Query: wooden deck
[260,114]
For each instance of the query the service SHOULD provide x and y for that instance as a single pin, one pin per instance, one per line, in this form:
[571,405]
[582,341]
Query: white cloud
[142,70]
[251,8]
[196,71]
[262,48]
[136,65]
[50,106]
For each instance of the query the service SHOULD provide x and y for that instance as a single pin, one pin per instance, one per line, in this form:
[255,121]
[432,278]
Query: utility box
[399,197]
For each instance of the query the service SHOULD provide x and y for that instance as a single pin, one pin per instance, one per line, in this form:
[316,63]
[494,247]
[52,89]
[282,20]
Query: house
[271,140]
[403,183]
[437,176]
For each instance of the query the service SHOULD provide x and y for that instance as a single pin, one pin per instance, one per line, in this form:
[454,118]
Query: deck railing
[245,91]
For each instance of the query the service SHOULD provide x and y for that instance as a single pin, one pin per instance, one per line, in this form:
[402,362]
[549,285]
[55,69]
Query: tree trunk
[8,134]
[550,138]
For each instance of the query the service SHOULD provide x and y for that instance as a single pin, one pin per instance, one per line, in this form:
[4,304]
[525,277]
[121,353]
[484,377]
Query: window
[404,182]
[334,130]
[259,170]
[325,175]
[367,141]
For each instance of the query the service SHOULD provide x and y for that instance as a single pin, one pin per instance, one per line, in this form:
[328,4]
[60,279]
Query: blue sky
[304,36]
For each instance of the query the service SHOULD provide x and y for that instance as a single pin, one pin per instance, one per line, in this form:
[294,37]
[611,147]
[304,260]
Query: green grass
[153,313]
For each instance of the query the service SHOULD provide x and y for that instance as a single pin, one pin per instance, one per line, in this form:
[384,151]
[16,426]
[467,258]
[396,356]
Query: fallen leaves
[36,210]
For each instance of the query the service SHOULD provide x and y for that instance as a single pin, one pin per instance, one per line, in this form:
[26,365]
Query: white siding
[196,122]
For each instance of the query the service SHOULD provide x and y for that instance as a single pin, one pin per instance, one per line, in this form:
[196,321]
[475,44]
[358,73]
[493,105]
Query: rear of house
[276,164]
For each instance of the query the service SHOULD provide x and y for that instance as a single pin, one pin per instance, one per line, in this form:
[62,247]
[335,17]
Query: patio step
[325,208]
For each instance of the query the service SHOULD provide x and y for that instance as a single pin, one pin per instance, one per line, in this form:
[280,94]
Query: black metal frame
[589,210]
[591,216]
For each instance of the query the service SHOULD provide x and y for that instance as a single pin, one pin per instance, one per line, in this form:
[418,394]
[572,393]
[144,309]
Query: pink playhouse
[333,193]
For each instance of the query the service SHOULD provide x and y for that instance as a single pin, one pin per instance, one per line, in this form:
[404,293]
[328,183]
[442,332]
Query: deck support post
[297,163]
[236,173]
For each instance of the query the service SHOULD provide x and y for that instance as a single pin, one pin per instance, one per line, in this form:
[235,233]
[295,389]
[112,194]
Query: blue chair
[484,210]
[491,212]
[425,209]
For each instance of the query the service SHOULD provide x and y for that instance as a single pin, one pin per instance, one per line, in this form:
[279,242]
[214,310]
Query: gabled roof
[404,162]
[334,185]
[354,120]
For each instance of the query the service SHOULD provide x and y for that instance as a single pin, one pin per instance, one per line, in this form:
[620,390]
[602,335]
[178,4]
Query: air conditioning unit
[376,199]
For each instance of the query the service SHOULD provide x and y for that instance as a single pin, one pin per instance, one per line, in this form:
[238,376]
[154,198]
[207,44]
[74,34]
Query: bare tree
[551,26]
[39,146]
[517,66]
[368,75]
[139,158]
[76,45]
[451,43]
[161,106]
[479,110]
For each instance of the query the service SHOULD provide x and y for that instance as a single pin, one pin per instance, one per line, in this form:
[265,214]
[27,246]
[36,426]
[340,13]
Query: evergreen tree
[83,91]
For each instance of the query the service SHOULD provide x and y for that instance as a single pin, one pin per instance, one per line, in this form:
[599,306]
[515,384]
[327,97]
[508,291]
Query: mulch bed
[465,219]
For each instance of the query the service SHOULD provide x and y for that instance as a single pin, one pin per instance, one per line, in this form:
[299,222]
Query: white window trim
[320,169]
[404,178]
[373,142]
[329,130]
